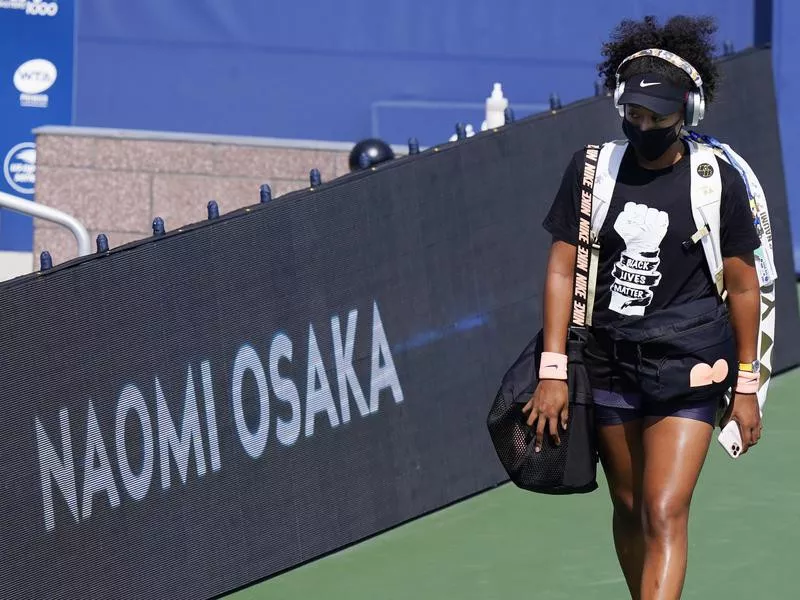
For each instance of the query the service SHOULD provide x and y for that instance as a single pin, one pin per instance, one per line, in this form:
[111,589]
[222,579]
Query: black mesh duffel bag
[569,468]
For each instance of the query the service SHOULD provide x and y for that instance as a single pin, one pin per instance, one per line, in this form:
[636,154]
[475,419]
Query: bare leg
[674,452]
[621,455]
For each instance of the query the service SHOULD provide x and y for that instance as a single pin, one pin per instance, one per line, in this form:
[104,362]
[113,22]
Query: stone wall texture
[118,185]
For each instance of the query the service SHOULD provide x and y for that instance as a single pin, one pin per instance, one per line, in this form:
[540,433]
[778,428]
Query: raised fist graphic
[641,227]
[636,272]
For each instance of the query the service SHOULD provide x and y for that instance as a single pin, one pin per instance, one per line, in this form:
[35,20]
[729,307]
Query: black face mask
[652,143]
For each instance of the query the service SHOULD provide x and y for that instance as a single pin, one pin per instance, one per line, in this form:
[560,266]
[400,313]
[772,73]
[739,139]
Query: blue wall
[785,53]
[315,68]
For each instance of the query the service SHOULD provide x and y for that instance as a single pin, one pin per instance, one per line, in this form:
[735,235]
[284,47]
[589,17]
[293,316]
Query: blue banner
[37,41]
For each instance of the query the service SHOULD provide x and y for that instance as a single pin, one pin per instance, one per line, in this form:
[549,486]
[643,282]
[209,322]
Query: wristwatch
[750,367]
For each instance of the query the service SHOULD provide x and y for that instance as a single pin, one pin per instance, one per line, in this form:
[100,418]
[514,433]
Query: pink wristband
[553,366]
[747,383]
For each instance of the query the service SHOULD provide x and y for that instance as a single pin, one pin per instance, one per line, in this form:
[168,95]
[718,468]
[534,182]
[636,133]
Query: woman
[649,279]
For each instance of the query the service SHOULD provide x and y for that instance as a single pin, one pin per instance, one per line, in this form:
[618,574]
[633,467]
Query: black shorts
[614,408]
[622,377]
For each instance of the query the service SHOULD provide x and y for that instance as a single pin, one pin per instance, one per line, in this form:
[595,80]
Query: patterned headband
[671,58]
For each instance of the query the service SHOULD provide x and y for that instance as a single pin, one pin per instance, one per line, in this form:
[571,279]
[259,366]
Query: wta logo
[32,78]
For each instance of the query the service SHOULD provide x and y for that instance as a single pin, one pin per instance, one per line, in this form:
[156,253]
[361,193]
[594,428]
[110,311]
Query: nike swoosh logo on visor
[643,84]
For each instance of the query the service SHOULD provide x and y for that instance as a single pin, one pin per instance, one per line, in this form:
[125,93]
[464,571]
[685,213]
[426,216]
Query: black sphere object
[375,150]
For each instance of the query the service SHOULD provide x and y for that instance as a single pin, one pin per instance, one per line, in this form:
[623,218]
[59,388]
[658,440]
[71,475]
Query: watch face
[754,366]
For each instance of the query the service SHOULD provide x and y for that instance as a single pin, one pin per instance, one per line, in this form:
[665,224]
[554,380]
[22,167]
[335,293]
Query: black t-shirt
[643,264]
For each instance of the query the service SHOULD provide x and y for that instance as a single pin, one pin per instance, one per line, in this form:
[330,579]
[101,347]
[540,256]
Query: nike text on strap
[581,287]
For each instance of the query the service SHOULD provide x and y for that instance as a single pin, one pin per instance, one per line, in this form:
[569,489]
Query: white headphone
[695,100]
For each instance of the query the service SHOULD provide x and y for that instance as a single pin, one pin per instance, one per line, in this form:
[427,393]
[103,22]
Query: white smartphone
[731,439]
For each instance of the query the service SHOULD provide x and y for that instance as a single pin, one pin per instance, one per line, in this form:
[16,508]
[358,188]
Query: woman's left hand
[744,410]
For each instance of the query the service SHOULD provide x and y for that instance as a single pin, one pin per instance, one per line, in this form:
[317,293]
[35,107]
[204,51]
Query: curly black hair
[691,38]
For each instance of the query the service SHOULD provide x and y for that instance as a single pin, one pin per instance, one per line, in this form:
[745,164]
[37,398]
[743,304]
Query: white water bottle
[496,106]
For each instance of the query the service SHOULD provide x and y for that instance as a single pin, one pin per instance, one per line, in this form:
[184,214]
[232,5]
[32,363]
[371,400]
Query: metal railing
[53,215]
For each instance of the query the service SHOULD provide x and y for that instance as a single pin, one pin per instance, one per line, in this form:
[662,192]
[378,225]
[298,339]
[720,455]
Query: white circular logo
[35,76]
[19,167]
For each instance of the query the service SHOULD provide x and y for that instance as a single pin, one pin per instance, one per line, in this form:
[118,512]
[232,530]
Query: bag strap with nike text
[587,246]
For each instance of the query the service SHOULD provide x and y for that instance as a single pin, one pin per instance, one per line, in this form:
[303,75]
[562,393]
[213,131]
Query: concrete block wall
[117,182]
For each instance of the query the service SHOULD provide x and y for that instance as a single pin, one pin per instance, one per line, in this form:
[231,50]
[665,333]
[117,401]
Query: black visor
[655,93]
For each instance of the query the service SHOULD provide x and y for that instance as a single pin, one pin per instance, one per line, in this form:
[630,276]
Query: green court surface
[507,543]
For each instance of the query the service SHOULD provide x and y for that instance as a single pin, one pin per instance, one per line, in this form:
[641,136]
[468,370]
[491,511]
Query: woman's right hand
[549,406]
